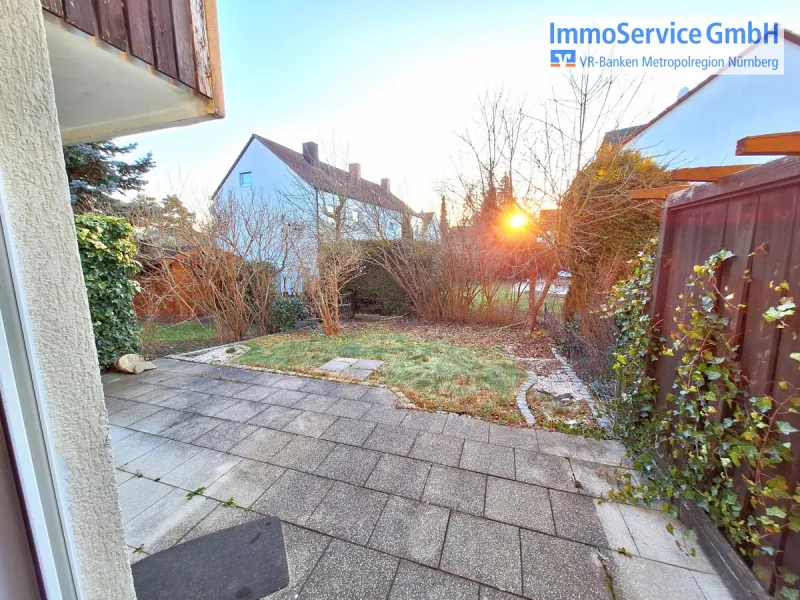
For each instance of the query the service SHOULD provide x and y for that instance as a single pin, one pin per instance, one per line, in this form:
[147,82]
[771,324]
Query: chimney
[385,185]
[311,153]
[355,172]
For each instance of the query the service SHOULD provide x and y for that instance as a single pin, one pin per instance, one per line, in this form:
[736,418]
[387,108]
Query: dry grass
[438,367]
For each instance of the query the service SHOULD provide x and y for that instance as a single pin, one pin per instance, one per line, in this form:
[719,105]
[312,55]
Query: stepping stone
[338,364]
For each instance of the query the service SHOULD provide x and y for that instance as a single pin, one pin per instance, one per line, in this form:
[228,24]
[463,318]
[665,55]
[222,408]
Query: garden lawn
[435,374]
[162,339]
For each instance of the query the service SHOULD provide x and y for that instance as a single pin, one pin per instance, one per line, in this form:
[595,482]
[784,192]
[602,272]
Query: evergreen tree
[97,173]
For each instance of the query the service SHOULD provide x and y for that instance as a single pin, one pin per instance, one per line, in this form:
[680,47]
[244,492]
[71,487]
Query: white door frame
[29,435]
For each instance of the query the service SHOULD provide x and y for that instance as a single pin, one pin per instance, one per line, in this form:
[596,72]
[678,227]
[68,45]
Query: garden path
[383,502]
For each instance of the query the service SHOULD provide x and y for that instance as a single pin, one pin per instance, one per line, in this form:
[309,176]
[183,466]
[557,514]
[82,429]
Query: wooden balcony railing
[170,35]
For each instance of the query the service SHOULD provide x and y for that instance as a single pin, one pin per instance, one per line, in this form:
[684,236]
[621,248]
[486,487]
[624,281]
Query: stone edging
[522,398]
[587,396]
[402,400]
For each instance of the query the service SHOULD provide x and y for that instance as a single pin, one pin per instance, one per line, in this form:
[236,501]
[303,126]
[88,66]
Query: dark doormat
[241,563]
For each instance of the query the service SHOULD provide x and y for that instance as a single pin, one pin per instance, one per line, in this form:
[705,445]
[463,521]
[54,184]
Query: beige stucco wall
[44,237]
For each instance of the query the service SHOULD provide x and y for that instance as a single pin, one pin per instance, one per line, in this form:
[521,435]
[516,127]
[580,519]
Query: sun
[517,221]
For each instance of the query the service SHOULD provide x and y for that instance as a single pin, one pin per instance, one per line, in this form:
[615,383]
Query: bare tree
[225,267]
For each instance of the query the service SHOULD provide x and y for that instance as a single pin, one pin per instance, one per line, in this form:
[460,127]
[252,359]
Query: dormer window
[246,179]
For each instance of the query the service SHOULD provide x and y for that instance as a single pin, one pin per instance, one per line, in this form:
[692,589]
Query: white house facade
[310,192]
[701,128]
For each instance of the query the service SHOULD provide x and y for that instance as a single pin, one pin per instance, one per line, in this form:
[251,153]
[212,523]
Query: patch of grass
[161,339]
[435,374]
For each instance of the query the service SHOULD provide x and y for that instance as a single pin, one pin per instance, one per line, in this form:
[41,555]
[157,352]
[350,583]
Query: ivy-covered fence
[709,359]
[108,257]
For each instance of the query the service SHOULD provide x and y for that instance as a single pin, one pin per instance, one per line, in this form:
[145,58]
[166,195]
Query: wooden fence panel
[754,214]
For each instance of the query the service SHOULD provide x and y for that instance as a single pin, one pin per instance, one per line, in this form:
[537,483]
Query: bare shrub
[225,266]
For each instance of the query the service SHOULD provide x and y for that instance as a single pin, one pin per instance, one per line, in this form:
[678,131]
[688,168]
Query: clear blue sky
[386,84]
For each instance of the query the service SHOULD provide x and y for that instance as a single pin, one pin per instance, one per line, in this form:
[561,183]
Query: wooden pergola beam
[770,144]
[657,193]
[706,173]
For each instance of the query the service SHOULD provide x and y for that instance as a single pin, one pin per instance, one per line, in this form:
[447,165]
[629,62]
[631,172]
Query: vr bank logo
[562,58]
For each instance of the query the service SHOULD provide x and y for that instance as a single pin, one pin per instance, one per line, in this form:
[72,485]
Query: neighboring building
[702,126]
[73,71]
[318,195]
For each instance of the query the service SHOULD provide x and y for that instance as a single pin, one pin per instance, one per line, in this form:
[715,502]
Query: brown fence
[756,215]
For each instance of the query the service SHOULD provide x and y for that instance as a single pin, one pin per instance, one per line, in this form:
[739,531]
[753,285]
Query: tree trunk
[535,302]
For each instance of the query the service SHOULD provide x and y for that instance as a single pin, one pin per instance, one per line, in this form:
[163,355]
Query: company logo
[562,58]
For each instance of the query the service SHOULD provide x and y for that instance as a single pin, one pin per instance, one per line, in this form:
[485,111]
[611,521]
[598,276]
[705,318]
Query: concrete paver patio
[381,502]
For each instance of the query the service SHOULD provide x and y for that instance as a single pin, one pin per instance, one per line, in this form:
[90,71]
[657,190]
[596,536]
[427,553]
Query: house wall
[703,130]
[49,294]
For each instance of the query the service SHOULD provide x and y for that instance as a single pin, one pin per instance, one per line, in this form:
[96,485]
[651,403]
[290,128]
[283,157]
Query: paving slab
[415,582]
[519,504]
[639,578]
[138,494]
[122,476]
[133,446]
[412,530]
[467,428]
[158,395]
[164,523]
[288,382]
[316,403]
[483,551]
[162,459]
[206,404]
[487,458]
[352,409]
[245,483]
[195,383]
[348,464]
[191,428]
[185,400]
[338,364]
[201,470]
[303,551]
[132,413]
[455,488]
[488,593]
[564,444]
[262,444]
[242,411]
[303,453]
[320,387]
[284,397]
[348,512]
[233,373]
[553,568]
[595,479]
[222,517]
[349,431]
[514,437]
[119,433]
[366,363]
[576,519]
[350,391]
[275,417]
[114,405]
[160,420]
[396,440]
[265,379]
[132,390]
[311,424]
[294,497]
[712,586]
[545,470]
[256,393]
[384,414]
[425,421]
[437,448]
[354,373]
[350,571]
[225,436]
[399,475]
[653,541]
[380,396]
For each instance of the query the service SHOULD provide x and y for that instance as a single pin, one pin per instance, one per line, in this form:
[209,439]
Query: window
[355,216]
[246,179]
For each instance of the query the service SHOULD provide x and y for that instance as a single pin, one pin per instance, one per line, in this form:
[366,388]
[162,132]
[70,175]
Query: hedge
[108,257]
[375,290]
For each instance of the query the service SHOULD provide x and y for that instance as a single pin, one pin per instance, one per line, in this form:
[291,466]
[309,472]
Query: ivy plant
[710,434]
[108,257]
